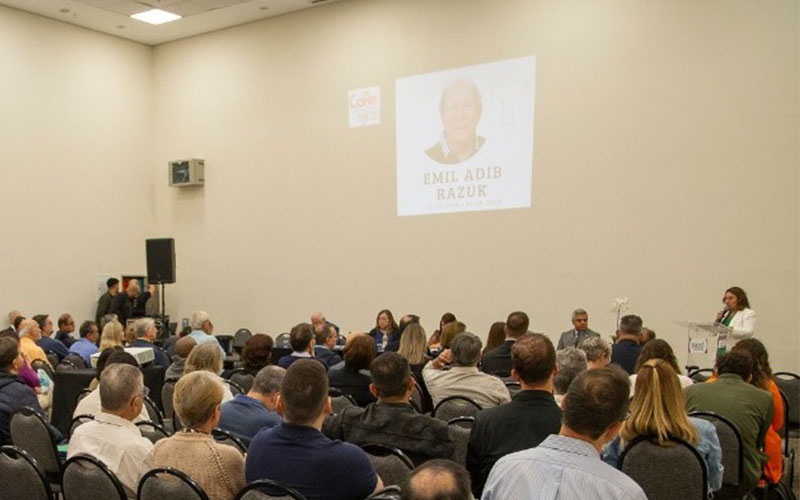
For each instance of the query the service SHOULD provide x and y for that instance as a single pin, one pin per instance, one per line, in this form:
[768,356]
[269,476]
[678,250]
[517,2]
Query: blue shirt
[54,346]
[302,458]
[708,447]
[245,416]
[202,337]
[160,357]
[85,348]
[560,468]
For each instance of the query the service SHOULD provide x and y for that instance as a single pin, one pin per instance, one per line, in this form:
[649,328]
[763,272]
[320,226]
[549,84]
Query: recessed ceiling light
[156,16]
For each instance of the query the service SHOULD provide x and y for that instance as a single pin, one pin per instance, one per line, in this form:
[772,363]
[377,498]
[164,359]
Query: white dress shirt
[90,405]
[486,390]
[117,443]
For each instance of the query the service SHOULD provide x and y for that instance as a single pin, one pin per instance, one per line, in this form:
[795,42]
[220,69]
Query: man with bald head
[131,303]
[183,347]
[438,479]
[460,109]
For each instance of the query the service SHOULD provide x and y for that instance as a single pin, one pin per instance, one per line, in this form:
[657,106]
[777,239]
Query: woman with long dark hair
[736,313]
[385,331]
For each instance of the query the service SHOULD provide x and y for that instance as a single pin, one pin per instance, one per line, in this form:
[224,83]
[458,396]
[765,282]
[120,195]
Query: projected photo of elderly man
[460,110]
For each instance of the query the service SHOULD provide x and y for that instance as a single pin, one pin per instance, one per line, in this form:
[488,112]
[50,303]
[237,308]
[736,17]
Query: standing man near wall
[104,302]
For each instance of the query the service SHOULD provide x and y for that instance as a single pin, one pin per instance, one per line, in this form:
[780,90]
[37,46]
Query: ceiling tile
[127,7]
[185,8]
[98,3]
[218,4]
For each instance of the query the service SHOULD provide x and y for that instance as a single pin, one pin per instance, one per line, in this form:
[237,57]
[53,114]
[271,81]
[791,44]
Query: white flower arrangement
[619,306]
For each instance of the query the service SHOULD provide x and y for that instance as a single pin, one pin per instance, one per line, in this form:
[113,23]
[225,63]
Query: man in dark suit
[579,332]
[325,342]
[498,360]
[131,303]
[625,350]
[524,422]
[146,333]
[11,331]
[104,302]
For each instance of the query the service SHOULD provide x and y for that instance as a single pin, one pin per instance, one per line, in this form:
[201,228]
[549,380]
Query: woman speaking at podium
[737,314]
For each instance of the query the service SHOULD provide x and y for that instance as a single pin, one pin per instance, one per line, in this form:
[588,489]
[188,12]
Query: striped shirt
[560,468]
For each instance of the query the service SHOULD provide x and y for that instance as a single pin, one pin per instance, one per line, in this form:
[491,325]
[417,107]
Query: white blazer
[743,323]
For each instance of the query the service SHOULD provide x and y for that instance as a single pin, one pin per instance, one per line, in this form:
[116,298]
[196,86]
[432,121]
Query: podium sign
[706,342]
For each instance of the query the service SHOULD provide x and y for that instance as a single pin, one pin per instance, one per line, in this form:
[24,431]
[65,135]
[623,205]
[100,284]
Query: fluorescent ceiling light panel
[156,16]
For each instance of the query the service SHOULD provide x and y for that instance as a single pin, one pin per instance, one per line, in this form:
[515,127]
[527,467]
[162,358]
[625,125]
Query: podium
[706,341]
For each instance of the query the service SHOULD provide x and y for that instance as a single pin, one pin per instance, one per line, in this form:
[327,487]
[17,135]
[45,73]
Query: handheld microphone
[725,312]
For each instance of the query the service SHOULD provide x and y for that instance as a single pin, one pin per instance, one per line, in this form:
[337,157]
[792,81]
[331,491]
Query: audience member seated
[749,408]
[646,336]
[45,341]
[496,336]
[203,329]
[112,335]
[435,340]
[580,331]
[298,455]
[449,332]
[463,378]
[763,379]
[325,341]
[217,468]
[183,347]
[245,415]
[352,375]
[659,409]
[498,361]
[392,420]
[108,318]
[659,349]
[301,338]
[112,437]
[146,334]
[524,422]
[438,480]
[568,466]
[256,353]
[14,392]
[598,353]
[205,357]
[86,345]
[625,350]
[91,404]
[102,360]
[414,347]
[570,362]
[29,334]
[385,331]
[11,331]
[66,325]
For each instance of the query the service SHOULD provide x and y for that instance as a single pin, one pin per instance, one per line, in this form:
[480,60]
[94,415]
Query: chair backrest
[392,465]
[233,386]
[266,489]
[167,390]
[153,413]
[39,364]
[644,461]
[152,431]
[340,400]
[224,437]
[66,364]
[52,358]
[239,338]
[76,360]
[730,441]
[455,406]
[86,478]
[460,436]
[20,476]
[78,421]
[84,392]
[789,383]
[391,492]
[701,375]
[463,422]
[417,398]
[166,483]
[243,379]
[30,432]
[513,387]
[282,341]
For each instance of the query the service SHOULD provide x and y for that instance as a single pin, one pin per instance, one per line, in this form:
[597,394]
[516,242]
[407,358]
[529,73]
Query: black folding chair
[644,460]
[225,437]
[460,429]
[152,431]
[392,465]
[265,489]
[730,440]
[30,432]
[167,390]
[84,392]
[86,478]
[77,421]
[243,379]
[166,483]
[39,364]
[282,341]
[456,406]
[340,399]
[20,476]
[239,338]
[234,387]
[153,413]
[76,360]
[701,375]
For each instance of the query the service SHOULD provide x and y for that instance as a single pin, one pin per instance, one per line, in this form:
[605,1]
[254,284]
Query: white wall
[666,167]
[75,148]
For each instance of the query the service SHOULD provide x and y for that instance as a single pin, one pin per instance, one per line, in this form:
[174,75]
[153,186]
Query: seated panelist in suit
[498,361]
[579,332]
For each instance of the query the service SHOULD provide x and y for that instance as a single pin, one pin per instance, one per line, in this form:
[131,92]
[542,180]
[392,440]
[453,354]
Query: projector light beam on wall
[156,16]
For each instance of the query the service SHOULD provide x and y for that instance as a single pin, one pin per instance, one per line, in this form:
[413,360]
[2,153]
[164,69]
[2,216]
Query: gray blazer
[568,338]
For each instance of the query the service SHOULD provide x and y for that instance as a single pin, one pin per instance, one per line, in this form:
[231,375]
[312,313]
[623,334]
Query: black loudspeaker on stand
[160,271]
